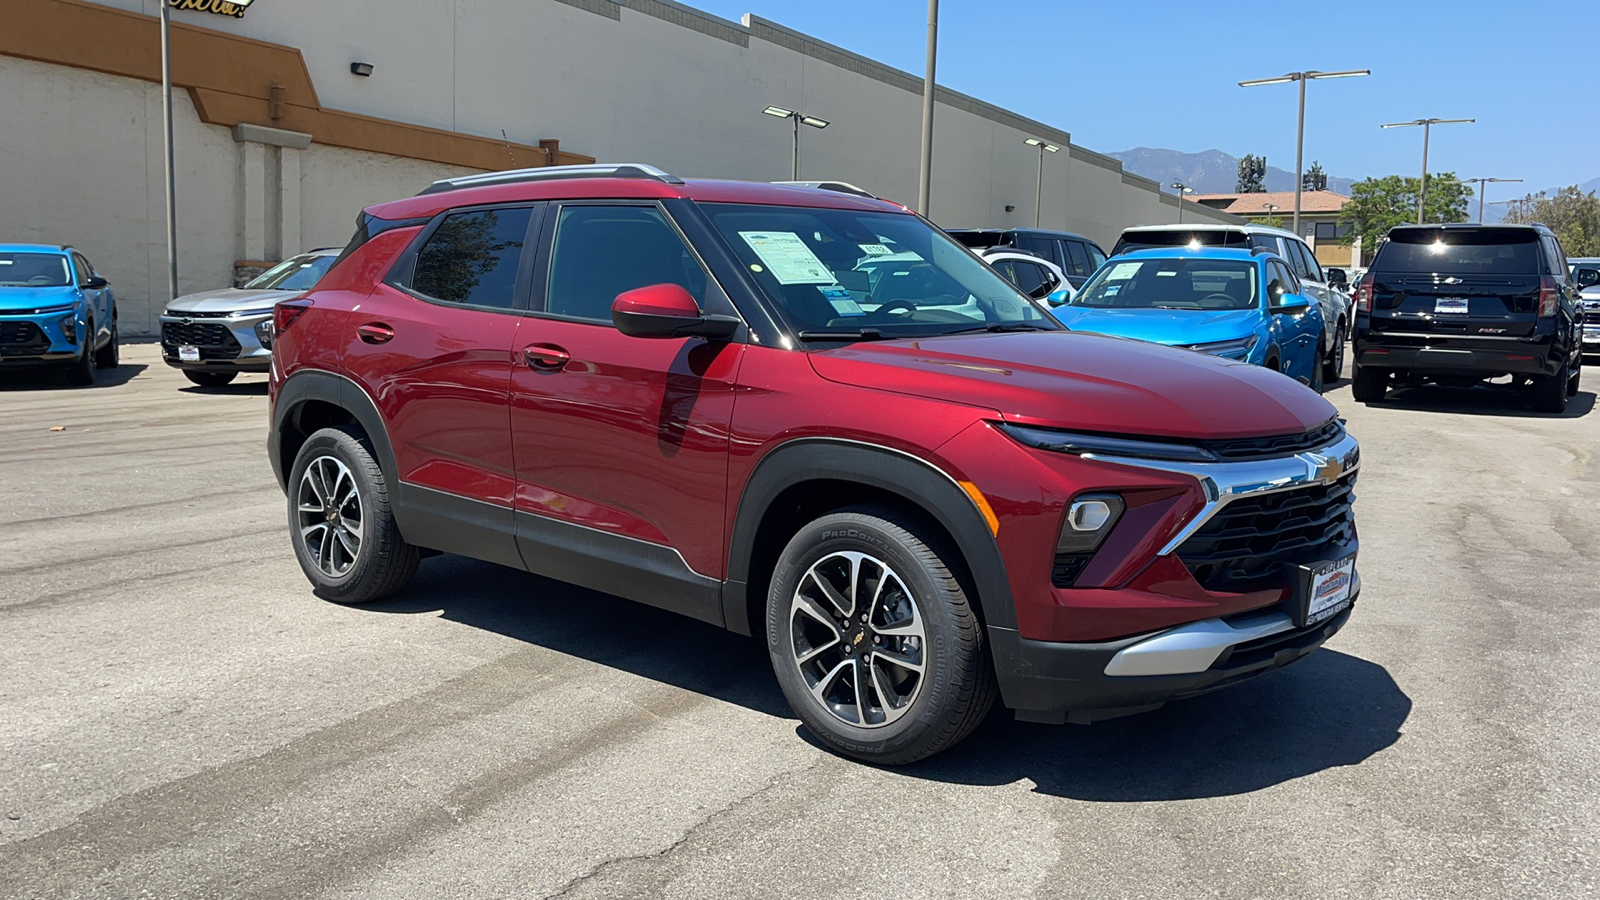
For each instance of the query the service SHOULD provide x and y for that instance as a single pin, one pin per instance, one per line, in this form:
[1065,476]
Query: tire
[1368,385]
[109,357]
[210,379]
[1333,366]
[337,464]
[818,660]
[1577,375]
[1550,392]
[81,370]
[1319,369]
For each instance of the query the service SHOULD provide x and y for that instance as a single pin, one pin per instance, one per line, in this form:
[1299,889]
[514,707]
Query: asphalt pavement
[180,717]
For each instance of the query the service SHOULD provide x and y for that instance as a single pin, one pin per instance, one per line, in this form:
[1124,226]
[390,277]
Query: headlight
[1237,348]
[1104,445]
[245,314]
[263,331]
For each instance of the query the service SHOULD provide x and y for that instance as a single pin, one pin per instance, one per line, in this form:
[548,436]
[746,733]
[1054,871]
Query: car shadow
[236,388]
[42,378]
[1327,710]
[1480,400]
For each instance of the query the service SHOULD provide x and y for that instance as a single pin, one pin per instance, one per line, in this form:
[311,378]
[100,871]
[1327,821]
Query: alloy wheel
[858,639]
[330,515]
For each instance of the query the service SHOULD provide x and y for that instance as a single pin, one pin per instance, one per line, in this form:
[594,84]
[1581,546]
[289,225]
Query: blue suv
[1238,304]
[55,309]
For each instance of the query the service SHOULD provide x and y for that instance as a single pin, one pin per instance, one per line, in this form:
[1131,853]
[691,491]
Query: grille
[1251,543]
[1279,445]
[214,341]
[23,336]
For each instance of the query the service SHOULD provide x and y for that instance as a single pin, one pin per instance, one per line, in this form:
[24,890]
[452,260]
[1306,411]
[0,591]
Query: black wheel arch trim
[920,482]
[328,387]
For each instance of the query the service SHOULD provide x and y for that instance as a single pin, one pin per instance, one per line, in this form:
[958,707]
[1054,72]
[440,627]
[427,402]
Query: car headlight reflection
[1238,348]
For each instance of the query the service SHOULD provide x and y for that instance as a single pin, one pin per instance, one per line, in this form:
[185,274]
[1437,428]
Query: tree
[1315,179]
[1273,221]
[1252,175]
[1378,204]
[1573,215]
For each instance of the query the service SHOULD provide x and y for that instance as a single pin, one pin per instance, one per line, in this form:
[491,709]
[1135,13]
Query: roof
[1202,252]
[1045,231]
[1256,204]
[34,248]
[1245,228]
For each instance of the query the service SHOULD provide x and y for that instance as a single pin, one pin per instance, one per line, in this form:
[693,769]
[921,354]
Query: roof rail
[840,187]
[552,173]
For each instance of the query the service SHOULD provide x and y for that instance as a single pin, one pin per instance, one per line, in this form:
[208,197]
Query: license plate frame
[1452,306]
[187,353]
[1591,337]
[1323,590]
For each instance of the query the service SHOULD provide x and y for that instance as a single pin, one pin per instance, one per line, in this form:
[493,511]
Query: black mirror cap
[645,325]
[96,283]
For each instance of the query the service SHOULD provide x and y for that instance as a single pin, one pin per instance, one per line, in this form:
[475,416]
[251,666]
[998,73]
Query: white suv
[1335,303]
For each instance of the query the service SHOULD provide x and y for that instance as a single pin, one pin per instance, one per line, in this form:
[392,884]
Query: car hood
[20,298]
[1086,382]
[229,300]
[1177,327]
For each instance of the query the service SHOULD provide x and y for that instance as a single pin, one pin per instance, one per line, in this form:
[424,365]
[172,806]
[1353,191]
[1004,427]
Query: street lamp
[1272,211]
[1182,189]
[1300,136]
[1038,194]
[797,117]
[1427,126]
[1483,181]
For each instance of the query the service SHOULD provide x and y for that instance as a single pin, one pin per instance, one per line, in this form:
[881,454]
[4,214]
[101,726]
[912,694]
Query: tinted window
[1587,276]
[1077,260]
[85,271]
[1556,259]
[1144,240]
[1488,251]
[1265,242]
[1044,247]
[34,270]
[1096,257]
[603,251]
[1313,268]
[298,273]
[1282,281]
[1171,284]
[1026,275]
[1293,251]
[472,258]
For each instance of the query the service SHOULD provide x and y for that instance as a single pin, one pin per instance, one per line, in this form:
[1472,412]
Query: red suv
[813,415]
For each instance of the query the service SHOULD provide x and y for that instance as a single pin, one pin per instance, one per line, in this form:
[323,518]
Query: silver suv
[1335,303]
[214,335]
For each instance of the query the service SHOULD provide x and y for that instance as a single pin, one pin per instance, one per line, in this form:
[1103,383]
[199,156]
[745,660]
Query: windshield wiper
[999,327]
[860,334]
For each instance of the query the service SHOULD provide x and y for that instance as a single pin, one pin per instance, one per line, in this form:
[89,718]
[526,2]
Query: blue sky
[1164,74]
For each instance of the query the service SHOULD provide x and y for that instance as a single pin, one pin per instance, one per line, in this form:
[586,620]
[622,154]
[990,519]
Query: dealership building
[290,115]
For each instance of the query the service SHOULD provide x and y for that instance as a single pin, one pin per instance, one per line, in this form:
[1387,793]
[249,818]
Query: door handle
[545,356]
[375,332]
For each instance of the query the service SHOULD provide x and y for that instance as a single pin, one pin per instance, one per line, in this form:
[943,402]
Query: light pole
[1272,210]
[1427,126]
[1182,189]
[925,182]
[167,150]
[1300,135]
[1038,194]
[798,117]
[1481,190]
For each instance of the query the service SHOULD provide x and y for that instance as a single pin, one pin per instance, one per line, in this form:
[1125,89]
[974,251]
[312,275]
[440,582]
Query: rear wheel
[874,642]
[343,531]
[209,379]
[108,357]
[81,370]
[1550,392]
[1577,375]
[1368,385]
[1333,366]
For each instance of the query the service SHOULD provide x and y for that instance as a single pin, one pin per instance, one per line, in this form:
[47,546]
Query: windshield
[843,274]
[1198,237]
[1491,251]
[300,273]
[34,270]
[1171,284]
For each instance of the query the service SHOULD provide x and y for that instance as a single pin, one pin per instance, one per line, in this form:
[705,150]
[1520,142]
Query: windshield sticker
[1112,290]
[788,257]
[1123,271]
[841,301]
[876,250]
[1166,274]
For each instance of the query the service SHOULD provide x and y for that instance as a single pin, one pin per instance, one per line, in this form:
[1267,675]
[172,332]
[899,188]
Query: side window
[1077,260]
[1043,247]
[472,258]
[85,271]
[1096,258]
[1265,242]
[1027,276]
[1280,281]
[1558,260]
[602,251]
[1291,252]
[1312,267]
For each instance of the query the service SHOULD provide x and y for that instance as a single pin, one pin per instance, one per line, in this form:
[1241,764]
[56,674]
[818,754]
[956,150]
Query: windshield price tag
[788,257]
[1123,271]
[841,301]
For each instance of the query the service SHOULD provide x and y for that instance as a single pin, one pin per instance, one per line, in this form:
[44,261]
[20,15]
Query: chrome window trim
[1224,482]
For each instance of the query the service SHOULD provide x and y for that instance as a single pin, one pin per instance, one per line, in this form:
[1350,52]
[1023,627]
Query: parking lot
[181,717]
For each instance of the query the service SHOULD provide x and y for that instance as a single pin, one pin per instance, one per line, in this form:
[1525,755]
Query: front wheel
[873,639]
[1333,366]
[340,523]
[1318,370]
[1368,385]
[81,370]
[108,357]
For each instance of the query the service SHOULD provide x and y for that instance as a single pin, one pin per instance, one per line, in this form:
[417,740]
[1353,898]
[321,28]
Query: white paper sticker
[841,301]
[1123,271]
[788,257]
[876,250]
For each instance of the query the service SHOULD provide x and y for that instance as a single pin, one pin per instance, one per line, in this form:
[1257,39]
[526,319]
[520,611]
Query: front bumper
[1589,331]
[41,338]
[224,343]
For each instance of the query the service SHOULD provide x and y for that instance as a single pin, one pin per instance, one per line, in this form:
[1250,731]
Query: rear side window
[1297,261]
[603,251]
[1555,258]
[1308,261]
[1044,247]
[1025,275]
[1077,261]
[1096,257]
[472,258]
[1488,251]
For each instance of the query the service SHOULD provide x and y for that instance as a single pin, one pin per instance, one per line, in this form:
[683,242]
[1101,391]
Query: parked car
[212,336]
[719,398]
[1589,318]
[55,310]
[1459,304]
[1585,270]
[1073,254]
[1302,262]
[1033,275]
[1243,305]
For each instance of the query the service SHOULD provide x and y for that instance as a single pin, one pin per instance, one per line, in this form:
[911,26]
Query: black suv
[1077,256]
[1460,304]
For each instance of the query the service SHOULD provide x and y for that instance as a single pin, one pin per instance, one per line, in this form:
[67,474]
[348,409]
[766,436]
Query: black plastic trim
[450,523]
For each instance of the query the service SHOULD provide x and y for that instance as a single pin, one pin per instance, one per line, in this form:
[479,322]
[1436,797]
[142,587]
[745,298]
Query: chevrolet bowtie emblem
[859,638]
[1329,470]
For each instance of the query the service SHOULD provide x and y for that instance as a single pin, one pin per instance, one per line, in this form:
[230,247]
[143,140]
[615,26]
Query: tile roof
[1256,204]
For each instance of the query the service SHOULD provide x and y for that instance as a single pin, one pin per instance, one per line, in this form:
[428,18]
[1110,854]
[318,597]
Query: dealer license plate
[1591,337]
[1329,589]
[1452,305]
[189,354]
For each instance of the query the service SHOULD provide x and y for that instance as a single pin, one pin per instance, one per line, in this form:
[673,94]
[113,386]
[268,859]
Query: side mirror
[96,283]
[1059,297]
[1291,303]
[667,311]
[1337,277]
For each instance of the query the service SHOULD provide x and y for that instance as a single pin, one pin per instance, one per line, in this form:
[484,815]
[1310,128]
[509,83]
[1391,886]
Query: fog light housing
[264,333]
[69,329]
[1089,520]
